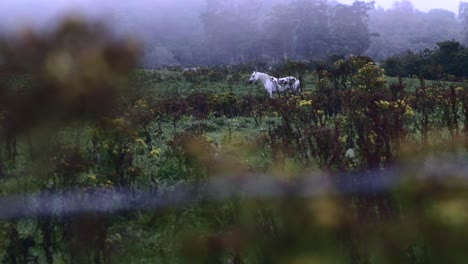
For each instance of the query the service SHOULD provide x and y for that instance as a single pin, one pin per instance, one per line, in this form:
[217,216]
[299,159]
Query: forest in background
[213,32]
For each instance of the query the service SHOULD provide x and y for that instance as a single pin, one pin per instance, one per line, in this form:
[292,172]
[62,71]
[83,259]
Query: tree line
[447,61]
[212,32]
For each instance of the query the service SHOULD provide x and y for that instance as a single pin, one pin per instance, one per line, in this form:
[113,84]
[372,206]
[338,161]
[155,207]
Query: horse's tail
[298,85]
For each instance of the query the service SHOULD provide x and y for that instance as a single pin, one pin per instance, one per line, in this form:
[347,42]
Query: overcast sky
[14,13]
[423,5]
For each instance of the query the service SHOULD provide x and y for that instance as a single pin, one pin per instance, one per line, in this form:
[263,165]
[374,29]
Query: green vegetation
[79,118]
[447,62]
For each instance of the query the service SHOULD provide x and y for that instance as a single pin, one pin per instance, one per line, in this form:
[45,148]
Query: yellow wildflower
[140,141]
[408,111]
[383,104]
[343,138]
[155,152]
[92,177]
[372,136]
[305,103]
[119,122]
[108,184]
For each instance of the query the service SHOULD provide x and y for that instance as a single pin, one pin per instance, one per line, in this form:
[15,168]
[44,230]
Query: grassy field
[171,128]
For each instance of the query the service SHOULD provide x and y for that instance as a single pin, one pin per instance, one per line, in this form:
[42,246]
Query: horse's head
[254,77]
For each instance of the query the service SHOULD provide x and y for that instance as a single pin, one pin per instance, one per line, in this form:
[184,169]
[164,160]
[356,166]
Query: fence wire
[217,189]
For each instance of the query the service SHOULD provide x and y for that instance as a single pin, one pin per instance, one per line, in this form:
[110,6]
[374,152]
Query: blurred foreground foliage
[77,125]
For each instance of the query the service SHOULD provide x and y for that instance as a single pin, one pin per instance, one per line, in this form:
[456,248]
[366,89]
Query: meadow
[117,165]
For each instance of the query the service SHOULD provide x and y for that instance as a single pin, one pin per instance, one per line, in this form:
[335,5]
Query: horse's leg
[270,91]
[298,86]
[293,91]
[299,90]
[277,91]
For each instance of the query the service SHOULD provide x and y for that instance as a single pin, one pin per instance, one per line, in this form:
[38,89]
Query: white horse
[275,85]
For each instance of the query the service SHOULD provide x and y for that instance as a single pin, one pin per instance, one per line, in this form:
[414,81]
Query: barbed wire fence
[219,189]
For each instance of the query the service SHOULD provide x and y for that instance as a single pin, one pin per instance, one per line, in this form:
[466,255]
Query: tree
[349,28]
[403,28]
[441,25]
[313,31]
[404,6]
[450,55]
[449,58]
[232,29]
[158,56]
[150,24]
[278,32]
[463,16]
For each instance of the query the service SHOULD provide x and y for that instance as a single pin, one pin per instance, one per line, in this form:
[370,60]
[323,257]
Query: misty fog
[207,32]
